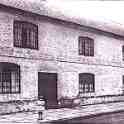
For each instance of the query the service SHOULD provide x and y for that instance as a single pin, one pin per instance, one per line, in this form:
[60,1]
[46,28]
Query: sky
[113,11]
[94,10]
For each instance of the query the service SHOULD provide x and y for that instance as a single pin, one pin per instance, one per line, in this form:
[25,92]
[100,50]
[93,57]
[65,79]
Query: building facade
[56,60]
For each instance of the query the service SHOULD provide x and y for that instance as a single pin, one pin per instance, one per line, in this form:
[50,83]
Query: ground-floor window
[86,83]
[9,78]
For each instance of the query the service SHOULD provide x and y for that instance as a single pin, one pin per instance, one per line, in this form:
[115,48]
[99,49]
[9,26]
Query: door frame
[55,84]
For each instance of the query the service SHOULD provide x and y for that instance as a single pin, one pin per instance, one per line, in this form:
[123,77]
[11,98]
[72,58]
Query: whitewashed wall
[58,52]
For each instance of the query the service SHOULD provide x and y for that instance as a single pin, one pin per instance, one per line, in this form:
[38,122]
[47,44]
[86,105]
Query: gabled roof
[41,7]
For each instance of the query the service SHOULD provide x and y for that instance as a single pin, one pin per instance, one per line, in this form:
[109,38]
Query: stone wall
[108,80]
[59,41]
[28,79]
[58,52]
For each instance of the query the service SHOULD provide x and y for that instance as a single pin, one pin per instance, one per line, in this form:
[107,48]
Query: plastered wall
[58,53]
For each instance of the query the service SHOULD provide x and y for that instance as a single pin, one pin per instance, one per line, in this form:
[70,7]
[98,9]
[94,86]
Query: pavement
[109,118]
[61,114]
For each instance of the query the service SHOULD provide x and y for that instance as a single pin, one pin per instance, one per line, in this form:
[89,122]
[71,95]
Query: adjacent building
[58,59]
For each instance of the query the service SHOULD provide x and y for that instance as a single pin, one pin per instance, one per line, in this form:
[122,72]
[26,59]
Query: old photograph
[61,62]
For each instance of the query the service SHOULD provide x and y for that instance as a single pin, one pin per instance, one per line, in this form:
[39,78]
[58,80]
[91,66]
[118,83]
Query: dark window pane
[123,84]
[86,46]
[9,78]
[25,35]
[92,48]
[86,83]
[123,52]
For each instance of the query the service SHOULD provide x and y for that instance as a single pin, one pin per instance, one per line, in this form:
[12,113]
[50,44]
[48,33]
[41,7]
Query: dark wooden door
[47,88]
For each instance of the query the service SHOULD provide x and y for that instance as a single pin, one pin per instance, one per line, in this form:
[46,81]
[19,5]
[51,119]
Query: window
[123,53]
[123,83]
[86,46]
[25,35]
[86,83]
[9,78]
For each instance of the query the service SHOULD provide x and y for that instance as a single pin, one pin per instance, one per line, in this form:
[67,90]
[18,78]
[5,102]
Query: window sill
[26,48]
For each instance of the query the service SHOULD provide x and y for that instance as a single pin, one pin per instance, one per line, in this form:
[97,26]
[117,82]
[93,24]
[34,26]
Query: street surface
[80,115]
[110,118]
[113,118]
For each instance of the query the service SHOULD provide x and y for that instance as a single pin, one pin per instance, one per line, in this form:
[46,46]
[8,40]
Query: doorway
[47,88]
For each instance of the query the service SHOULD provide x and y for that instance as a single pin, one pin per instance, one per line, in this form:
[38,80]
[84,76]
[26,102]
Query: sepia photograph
[61,62]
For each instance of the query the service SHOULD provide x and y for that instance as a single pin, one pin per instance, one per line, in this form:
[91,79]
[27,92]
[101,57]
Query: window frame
[123,84]
[86,46]
[17,83]
[22,44]
[82,88]
[123,52]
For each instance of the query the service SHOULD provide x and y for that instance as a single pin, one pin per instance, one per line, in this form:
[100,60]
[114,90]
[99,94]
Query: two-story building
[57,58]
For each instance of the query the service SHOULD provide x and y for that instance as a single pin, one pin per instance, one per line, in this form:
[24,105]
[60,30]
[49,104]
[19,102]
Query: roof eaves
[42,9]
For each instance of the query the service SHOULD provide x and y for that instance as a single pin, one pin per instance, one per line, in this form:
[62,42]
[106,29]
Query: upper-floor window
[86,83]
[123,83]
[86,46]
[123,52]
[25,35]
